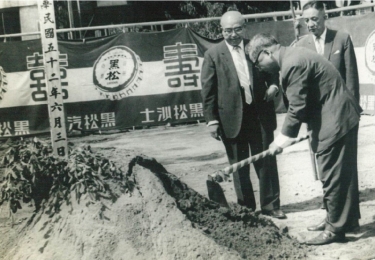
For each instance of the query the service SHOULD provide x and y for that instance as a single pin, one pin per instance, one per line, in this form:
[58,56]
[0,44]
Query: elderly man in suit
[337,47]
[318,96]
[239,110]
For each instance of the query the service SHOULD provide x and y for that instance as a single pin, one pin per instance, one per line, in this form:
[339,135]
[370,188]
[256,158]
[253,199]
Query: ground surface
[151,224]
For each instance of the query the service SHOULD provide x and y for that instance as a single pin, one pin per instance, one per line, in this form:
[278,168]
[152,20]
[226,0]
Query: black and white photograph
[197,130]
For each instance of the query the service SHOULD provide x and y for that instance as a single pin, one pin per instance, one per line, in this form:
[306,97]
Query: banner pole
[295,22]
[52,78]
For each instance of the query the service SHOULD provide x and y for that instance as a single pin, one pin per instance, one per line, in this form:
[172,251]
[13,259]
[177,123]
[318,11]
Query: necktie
[242,75]
[319,47]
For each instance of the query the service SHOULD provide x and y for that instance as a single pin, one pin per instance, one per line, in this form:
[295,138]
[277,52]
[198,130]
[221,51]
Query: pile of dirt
[237,227]
[160,218]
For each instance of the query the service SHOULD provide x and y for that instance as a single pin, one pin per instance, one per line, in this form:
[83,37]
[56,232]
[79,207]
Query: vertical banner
[52,78]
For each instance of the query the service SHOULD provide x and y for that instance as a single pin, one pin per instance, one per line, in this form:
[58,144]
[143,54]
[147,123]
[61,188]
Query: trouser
[339,176]
[253,135]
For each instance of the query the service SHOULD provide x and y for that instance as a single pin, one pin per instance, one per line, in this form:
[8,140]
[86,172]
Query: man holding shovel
[337,47]
[239,110]
[318,96]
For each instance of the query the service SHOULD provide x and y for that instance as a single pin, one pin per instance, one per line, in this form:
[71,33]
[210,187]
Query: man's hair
[318,5]
[258,43]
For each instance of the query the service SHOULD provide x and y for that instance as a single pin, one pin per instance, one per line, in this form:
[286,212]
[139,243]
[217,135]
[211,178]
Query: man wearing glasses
[337,47]
[318,96]
[239,110]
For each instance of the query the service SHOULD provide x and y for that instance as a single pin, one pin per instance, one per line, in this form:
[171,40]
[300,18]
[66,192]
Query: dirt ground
[147,224]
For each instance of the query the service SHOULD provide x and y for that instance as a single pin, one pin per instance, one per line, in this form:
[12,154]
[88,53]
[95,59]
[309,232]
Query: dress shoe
[320,227]
[275,213]
[326,237]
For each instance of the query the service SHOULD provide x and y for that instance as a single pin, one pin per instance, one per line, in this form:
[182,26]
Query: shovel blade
[216,193]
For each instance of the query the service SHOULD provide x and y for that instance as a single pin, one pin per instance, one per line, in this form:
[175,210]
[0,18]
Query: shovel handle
[236,166]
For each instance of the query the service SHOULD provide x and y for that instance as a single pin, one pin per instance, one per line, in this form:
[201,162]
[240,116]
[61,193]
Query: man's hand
[215,131]
[271,93]
[274,149]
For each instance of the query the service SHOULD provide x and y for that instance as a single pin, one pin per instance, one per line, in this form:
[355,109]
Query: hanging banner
[128,80]
[137,79]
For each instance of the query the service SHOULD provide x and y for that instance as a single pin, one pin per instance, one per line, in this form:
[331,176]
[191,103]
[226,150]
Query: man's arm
[296,83]
[209,96]
[296,91]
[351,70]
[209,89]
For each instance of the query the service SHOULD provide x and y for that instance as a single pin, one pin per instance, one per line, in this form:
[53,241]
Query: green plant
[33,173]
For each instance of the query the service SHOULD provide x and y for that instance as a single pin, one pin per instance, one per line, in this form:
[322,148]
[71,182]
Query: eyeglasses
[256,63]
[231,30]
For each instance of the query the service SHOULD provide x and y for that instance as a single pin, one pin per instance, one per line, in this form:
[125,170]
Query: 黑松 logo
[117,73]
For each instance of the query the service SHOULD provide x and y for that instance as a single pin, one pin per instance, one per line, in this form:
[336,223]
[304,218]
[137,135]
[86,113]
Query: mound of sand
[161,218]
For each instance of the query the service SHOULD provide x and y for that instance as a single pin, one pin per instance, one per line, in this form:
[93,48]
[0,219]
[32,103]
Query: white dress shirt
[242,53]
[319,42]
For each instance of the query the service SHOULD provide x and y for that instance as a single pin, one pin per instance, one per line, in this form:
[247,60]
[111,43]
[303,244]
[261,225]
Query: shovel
[216,193]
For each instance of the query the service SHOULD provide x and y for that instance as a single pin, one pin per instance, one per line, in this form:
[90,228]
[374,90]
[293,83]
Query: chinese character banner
[127,80]
[115,68]
[136,79]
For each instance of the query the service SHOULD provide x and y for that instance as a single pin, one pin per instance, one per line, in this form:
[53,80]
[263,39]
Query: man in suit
[337,47]
[239,110]
[318,96]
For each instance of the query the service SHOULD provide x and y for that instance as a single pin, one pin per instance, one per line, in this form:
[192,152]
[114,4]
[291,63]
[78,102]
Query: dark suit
[317,96]
[339,50]
[242,124]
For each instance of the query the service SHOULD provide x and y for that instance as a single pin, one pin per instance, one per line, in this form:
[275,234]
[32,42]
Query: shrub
[32,172]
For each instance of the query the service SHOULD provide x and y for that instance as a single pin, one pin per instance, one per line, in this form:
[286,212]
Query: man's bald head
[232,24]
[231,17]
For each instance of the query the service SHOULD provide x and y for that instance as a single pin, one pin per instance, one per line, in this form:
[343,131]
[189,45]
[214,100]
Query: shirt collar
[323,35]
[230,47]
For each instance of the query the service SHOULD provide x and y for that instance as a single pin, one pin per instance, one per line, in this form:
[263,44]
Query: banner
[132,79]
[138,79]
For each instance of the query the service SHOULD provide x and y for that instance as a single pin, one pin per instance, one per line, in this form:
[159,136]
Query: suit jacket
[221,91]
[317,96]
[338,49]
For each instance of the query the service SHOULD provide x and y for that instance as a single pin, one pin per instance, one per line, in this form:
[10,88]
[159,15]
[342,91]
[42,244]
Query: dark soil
[236,227]
[163,218]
